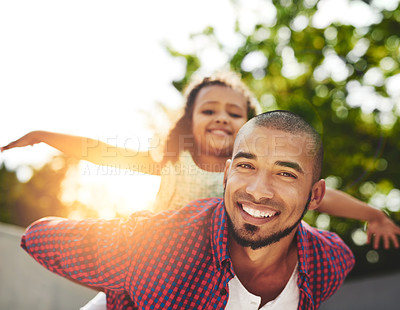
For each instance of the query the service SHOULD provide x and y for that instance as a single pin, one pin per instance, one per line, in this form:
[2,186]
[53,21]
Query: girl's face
[219,112]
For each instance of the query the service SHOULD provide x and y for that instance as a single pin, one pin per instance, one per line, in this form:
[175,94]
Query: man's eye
[245,166]
[288,175]
[208,112]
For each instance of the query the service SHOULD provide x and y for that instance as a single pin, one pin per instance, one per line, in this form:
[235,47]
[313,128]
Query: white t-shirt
[240,298]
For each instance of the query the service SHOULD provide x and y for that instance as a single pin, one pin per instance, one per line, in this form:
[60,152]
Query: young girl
[196,150]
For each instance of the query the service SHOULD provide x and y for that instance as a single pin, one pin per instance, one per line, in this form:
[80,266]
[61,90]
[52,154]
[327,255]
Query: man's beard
[239,234]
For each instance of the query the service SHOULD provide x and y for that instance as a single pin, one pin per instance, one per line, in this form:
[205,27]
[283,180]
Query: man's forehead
[262,141]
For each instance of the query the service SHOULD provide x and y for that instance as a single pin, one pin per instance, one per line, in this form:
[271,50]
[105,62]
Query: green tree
[340,78]
[21,203]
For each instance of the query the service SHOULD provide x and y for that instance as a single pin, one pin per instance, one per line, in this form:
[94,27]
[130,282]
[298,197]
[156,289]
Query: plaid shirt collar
[219,236]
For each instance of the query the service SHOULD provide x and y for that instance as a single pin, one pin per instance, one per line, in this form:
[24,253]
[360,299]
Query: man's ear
[317,193]
[226,171]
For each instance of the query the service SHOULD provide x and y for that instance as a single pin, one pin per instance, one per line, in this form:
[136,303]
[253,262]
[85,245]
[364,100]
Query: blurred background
[115,72]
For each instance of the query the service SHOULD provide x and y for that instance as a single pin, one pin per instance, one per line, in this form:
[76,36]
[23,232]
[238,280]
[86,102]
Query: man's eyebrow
[244,155]
[290,164]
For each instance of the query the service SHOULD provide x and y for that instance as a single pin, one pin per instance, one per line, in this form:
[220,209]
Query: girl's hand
[29,139]
[383,228]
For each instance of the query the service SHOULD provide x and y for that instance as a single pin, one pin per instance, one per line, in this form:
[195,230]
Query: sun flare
[108,192]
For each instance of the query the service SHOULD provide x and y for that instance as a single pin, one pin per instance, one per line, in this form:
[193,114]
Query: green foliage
[361,143]
[9,189]
[192,64]
[23,203]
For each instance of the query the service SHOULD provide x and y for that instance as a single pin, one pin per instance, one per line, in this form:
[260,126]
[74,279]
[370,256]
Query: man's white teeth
[258,213]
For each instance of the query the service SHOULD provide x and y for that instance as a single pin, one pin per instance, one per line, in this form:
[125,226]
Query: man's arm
[95,253]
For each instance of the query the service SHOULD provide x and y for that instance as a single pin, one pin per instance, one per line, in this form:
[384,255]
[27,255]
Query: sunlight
[355,13]
[108,191]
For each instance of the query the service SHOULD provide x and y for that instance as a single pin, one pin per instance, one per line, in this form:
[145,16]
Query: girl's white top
[183,182]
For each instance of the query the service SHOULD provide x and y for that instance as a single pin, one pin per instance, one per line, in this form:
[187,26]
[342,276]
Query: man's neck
[260,259]
[265,271]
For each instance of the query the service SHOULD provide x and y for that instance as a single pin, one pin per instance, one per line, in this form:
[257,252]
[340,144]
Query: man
[247,251]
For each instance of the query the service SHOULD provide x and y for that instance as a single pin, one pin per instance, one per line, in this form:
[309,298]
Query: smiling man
[271,181]
[248,251]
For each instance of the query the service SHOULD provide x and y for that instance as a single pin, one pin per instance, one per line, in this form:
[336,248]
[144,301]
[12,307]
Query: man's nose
[261,187]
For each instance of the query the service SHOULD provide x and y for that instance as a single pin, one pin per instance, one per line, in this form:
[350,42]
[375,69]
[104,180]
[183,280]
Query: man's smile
[256,214]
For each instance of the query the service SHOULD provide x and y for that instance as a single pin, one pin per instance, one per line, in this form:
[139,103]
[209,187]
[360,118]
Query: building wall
[24,284]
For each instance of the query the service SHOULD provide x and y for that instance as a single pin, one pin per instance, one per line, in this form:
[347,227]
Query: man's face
[268,185]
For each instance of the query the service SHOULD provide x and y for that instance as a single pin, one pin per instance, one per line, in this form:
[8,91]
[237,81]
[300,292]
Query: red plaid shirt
[174,259]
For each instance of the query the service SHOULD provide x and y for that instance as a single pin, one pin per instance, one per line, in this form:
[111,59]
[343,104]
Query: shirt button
[225,264]
[223,291]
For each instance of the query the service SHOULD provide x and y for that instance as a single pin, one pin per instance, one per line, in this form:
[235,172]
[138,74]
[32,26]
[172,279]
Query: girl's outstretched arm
[92,150]
[379,225]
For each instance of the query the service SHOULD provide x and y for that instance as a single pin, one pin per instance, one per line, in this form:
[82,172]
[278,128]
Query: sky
[90,67]
[86,67]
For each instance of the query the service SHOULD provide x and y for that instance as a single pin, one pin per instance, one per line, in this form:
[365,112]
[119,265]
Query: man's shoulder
[196,213]
[325,258]
[202,205]
[321,240]
[324,249]
[177,235]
